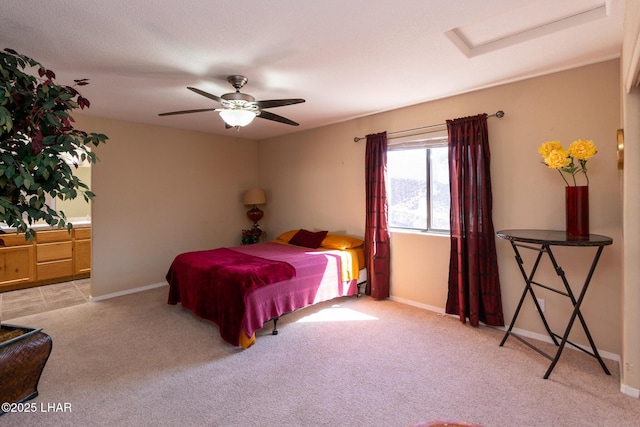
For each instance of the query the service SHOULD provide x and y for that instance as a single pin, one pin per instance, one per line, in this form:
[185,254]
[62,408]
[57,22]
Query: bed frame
[241,296]
[361,281]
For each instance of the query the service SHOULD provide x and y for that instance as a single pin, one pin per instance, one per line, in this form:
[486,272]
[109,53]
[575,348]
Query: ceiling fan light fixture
[239,109]
[237,118]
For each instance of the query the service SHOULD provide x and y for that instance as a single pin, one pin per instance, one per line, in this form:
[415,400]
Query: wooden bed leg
[275,322]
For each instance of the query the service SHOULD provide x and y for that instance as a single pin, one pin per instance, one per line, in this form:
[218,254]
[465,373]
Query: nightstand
[249,237]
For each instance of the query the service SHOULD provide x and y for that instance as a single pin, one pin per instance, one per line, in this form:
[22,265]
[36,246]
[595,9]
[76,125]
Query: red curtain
[474,284]
[376,238]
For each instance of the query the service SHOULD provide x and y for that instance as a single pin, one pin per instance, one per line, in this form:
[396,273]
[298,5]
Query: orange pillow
[342,242]
[286,236]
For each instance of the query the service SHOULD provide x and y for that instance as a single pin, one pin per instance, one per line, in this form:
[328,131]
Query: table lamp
[254,198]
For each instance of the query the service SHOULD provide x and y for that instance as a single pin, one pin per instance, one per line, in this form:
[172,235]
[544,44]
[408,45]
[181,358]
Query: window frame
[427,141]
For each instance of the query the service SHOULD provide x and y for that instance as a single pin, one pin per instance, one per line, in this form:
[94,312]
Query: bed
[241,288]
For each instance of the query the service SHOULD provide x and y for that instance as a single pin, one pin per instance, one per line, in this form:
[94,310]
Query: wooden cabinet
[81,251]
[54,255]
[17,263]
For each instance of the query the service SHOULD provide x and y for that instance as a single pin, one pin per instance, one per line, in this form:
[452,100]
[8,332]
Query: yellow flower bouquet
[556,157]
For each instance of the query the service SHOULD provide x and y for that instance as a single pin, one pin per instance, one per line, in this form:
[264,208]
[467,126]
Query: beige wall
[315,179]
[160,192]
[631,124]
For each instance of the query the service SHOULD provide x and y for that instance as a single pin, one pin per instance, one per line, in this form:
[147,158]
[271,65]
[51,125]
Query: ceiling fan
[239,109]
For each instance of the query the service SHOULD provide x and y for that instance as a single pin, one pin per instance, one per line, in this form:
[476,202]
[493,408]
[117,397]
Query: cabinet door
[82,256]
[16,265]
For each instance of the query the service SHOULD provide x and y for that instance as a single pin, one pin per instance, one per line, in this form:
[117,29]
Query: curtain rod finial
[500,114]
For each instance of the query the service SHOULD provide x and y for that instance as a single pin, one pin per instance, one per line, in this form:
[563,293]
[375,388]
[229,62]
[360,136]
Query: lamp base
[255,215]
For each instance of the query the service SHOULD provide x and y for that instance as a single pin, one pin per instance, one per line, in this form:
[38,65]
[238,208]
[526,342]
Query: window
[418,183]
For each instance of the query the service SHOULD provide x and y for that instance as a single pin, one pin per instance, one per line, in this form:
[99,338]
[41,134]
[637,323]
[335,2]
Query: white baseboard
[521,332]
[128,291]
[547,339]
[629,391]
[433,308]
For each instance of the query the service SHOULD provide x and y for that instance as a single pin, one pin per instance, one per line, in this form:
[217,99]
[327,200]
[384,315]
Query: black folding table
[542,241]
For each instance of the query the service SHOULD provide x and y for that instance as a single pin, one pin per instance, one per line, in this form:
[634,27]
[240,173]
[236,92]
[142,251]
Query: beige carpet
[136,361]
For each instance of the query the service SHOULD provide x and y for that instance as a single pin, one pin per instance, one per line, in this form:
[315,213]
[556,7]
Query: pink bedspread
[213,284]
[317,278]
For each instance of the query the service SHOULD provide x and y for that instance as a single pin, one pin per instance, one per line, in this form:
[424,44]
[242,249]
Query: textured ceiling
[347,58]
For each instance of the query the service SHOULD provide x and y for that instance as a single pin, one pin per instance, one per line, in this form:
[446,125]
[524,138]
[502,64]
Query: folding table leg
[576,312]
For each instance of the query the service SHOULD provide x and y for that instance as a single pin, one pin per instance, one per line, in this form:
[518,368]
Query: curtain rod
[499,114]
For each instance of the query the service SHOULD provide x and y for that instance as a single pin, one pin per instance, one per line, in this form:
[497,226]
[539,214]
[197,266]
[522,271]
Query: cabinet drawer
[53,269]
[82,233]
[13,239]
[53,251]
[49,236]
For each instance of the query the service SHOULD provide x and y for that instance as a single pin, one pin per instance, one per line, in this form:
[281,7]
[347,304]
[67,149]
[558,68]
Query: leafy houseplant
[38,143]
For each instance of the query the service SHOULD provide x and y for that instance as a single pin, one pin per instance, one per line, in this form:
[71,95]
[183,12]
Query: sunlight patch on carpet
[336,314]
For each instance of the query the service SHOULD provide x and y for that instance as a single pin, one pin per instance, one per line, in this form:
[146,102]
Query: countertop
[79,222]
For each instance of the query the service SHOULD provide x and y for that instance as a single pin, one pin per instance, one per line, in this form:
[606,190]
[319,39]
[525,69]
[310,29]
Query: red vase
[577,210]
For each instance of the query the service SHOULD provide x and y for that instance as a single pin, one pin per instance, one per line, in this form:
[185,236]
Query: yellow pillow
[286,236]
[342,242]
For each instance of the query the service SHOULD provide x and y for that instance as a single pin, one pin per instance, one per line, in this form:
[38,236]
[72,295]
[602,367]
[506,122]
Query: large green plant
[38,143]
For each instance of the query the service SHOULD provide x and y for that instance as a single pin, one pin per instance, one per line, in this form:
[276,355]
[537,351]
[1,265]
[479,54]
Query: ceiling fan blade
[187,112]
[277,102]
[205,94]
[276,118]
